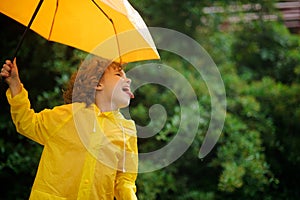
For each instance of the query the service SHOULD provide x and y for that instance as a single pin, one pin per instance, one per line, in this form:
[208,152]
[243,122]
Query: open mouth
[126,89]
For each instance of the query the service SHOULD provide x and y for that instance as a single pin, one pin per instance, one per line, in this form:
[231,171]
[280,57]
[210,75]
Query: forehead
[116,66]
[112,69]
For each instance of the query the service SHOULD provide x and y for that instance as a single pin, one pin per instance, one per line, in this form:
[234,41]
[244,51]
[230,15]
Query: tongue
[131,95]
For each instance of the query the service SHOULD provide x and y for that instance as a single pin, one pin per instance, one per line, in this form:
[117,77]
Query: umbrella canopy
[112,27]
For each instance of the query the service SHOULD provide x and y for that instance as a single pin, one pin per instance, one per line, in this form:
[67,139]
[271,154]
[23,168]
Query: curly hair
[82,83]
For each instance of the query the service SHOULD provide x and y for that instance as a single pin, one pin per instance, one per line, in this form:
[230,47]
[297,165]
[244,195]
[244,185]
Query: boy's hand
[9,71]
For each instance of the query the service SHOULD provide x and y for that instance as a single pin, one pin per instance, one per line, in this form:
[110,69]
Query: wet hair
[82,83]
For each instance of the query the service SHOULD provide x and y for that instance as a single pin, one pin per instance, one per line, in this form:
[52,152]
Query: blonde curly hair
[82,83]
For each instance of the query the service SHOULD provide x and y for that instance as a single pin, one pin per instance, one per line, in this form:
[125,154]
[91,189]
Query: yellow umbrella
[112,27]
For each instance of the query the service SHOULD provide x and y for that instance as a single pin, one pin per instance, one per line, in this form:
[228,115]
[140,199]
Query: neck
[104,104]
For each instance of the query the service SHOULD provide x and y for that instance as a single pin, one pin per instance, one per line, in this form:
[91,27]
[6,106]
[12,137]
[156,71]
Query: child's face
[116,88]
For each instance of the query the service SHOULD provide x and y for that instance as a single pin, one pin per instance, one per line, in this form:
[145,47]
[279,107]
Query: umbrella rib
[115,30]
[53,21]
[103,11]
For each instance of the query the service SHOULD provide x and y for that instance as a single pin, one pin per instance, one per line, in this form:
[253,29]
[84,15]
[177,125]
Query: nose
[128,80]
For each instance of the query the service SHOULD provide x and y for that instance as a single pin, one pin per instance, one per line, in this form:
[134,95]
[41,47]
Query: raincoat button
[86,181]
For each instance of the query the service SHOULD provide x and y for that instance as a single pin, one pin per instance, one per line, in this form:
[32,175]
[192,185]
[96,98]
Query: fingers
[9,72]
[7,68]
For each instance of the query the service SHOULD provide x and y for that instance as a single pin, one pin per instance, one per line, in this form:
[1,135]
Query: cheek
[114,89]
[111,85]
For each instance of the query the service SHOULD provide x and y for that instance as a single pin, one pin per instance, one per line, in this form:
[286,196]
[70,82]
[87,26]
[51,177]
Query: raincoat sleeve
[36,126]
[125,186]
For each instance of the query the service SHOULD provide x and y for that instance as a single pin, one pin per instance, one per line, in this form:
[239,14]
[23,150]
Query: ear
[99,87]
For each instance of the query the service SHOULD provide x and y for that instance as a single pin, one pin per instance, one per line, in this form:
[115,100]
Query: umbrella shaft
[28,27]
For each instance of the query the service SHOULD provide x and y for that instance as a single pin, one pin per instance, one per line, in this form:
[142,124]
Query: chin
[121,100]
[123,104]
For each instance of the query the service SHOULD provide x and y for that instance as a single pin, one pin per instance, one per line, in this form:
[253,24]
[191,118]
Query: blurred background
[256,47]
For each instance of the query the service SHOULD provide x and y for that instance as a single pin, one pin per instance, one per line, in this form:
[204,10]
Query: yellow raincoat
[87,154]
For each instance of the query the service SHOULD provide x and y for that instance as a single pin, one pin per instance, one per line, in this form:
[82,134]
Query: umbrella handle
[28,27]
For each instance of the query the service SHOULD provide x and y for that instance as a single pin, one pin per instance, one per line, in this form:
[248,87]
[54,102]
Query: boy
[90,149]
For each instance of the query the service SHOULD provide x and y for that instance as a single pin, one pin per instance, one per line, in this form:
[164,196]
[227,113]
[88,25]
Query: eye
[118,74]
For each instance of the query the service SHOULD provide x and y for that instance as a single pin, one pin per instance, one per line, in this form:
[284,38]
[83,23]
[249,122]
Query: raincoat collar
[115,113]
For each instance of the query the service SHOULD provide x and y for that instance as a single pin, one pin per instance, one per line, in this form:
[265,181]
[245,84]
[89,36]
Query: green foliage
[18,158]
[265,52]
[281,103]
[65,62]
[153,185]
[177,15]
